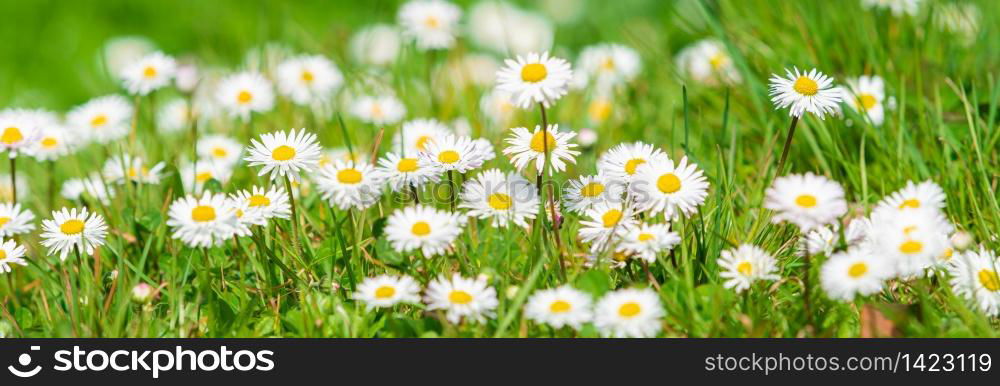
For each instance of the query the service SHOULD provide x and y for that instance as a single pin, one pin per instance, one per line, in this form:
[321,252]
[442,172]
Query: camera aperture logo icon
[24,360]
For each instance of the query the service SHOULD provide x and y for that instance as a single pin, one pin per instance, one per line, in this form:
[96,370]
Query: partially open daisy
[454,152]
[471,299]
[269,203]
[855,272]
[378,110]
[52,143]
[284,154]
[503,199]
[976,277]
[824,239]
[431,23]
[911,239]
[73,231]
[746,264]
[535,78]
[610,64]
[308,79]
[14,220]
[645,241]
[18,132]
[927,194]
[675,189]
[149,73]
[103,119]
[629,313]
[605,224]
[91,187]
[529,148]
[401,173]
[805,92]
[585,192]
[203,221]
[347,184]
[385,291]
[866,95]
[195,175]
[622,161]
[219,148]
[806,200]
[414,136]
[245,93]
[424,228]
[10,253]
[707,62]
[134,169]
[560,306]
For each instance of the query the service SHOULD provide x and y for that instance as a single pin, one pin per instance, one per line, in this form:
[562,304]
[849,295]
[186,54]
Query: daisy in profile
[855,272]
[14,220]
[7,188]
[10,254]
[621,162]
[424,228]
[560,306]
[826,238]
[806,200]
[454,152]
[385,291]
[675,189]
[376,45]
[219,148]
[534,79]
[378,110]
[245,93]
[471,299]
[18,132]
[805,92]
[911,239]
[174,116]
[707,62]
[746,264]
[195,175]
[587,191]
[126,167]
[268,203]
[431,23]
[308,79]
[203,221]
[645,241]
[484,149]
[53,143]
[927,194]
[610,64]
[402,173]
[92,187]
[529,147]
[897,7]
[103,119]
[414,135]
[605,223]
[73,231]
[629,313]
[284,154]
[974,277]
[617,260]
[349,184]
[149,73]
[866,95]
[503,199]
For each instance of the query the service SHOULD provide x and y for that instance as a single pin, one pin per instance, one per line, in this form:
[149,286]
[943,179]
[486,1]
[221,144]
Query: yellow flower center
[717,60]
[668,183]
[608,64]
[244,97]
[11,135]
[203,213]
[132,172]
[407,165]
[3,255]
[857,270]
[805,86]
[422,142]
[632,164]
[431,22]
[71,227]
[460,297]
[599,110]
[619,256]
[629,310]
[592,189]
[867,101]
[611,217]
[149,71]
[99,121]
[4,221]
[349,176]
[946,255]
[805,200]
[259,200]
[745,268]
[384,292]
[283,153]
[49,142]
[542,141]
[910,203]
[448,157]
[560,306]
[421,228]
[645,236]
[988,278]
[500,201]
[911,247]
[377,110]
[307,76]
[203,176]
[534,72]
[220,152]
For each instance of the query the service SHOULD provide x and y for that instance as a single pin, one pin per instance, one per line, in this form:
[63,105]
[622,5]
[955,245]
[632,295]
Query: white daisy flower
[174,116]
[926,194]
[856,271]
[10,253]
[960,19]
[284,154]
[898,7]
[600,109]
[73,230]
[121,168]
[708,62]
[18,132]
[746,264]
[203,222]
[825,238]
[195,175]
[484,148]
[53,143]
[385,291]
[528,148]
[806,200]
[498,106]
[910,239]
[621,162]
[245,218]
[378,110]
[610,64]
[7,190]
[422,227]
[268,203]
[93,186]
[974,277]
[805,92]
[376,45]
[606,223]
[149,73]
[586,191]
[431,23]
[629,313]
[674,189]
[103,119]
[866,95]
[349,184]
[491,24]
[535,78]
[454,152]
[219,148]
[414,135]
[560,306]
[245,93]
[504,199]
[403,172]
[308,79]
[472,299]
[645,241]
[618,260]
[14,220]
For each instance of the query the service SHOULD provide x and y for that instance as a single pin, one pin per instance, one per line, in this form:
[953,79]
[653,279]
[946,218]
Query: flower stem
[295,216]
[13,179]
[788,145]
